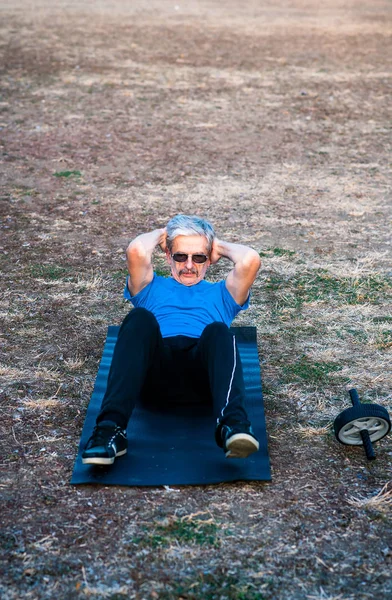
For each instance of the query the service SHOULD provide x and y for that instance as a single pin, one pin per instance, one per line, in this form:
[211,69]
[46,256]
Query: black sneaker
[238,441]
[107,442]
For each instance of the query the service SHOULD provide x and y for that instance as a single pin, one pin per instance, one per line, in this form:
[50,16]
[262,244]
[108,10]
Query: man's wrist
[222,249]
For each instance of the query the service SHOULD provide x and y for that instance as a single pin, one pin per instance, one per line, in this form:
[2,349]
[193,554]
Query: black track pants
[176,369]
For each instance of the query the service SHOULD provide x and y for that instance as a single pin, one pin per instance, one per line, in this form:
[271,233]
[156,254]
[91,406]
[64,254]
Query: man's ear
[168,256]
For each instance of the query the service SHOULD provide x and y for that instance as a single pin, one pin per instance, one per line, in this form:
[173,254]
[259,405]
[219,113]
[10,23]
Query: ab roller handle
[362,424]
[367,444]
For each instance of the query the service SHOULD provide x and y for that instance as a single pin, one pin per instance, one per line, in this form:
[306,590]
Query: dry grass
[74,364]
[91,282]
[322,595]
[101,591]
[40,403]
[9,372]
[271,119]
[309,432]
[380,502]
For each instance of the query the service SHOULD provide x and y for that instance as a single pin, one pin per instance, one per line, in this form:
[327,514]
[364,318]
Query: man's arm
[246,265]
[139,255]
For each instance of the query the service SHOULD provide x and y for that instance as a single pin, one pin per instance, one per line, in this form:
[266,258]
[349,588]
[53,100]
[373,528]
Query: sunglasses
[196,258]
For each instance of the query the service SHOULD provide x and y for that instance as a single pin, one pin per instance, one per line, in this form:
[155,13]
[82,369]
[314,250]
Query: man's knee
[140,319]
[217,330]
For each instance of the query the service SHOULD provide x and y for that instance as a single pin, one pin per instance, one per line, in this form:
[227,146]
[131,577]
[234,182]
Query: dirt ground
[270,118]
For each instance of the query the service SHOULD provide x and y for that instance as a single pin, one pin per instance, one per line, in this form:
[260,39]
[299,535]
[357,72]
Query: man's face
[188,272]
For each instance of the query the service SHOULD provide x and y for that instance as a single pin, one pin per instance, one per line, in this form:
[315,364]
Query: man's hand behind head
[162,239]
[215,254]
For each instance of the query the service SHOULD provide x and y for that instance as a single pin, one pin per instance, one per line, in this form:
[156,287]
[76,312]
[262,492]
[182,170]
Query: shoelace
[103,434]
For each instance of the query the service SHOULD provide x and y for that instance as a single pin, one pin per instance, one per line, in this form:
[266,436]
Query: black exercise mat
[177,446]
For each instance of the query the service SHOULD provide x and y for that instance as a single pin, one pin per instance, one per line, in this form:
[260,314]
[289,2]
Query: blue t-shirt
[186,310]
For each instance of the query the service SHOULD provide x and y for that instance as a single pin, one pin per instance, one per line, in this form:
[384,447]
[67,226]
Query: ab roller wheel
[362,424]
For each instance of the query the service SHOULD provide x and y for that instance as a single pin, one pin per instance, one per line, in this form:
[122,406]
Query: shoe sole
[241,445]
[96,460]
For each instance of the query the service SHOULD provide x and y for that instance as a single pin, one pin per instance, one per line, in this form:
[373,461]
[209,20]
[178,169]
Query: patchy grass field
[271,119]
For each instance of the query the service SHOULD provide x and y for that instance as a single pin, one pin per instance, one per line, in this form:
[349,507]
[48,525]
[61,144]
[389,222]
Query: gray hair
[189,225]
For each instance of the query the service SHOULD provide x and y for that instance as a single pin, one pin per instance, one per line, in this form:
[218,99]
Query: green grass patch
[358,334]
[383,319]
[277,252]
[309,371]
[50,272]
[162,272]
[67,174]
[213,586]
[185,532]
[296,330]
[188,531]
[22,190]
[119,275]
[321,286]
[384,339]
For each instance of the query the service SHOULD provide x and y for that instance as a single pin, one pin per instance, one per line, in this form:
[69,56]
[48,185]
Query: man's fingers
[162,241]
[215,255]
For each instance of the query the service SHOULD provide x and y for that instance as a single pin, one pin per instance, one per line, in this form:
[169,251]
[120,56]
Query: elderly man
[176,343]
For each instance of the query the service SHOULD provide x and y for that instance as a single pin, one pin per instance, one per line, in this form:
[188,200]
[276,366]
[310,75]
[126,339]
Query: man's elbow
[136,252]
[252,261]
